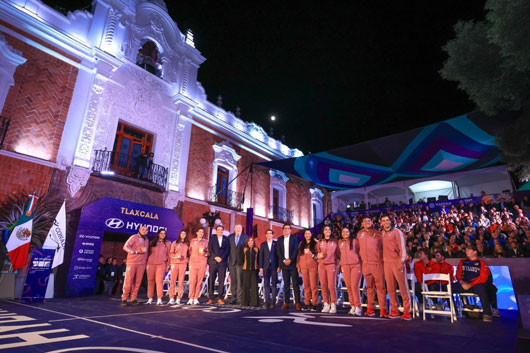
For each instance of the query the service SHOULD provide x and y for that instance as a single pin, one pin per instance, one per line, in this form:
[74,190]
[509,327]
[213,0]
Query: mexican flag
[20,238]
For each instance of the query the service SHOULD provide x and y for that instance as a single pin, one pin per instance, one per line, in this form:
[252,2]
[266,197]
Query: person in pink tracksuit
[350,264]
[136,247]
[157,265]
[198,262]
[394,255]
[178,261]
[308,266]
[371,251]
[327,255]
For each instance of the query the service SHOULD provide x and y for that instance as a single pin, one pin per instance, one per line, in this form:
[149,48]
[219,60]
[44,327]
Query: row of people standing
[379,256]
[159,256]
[316,260]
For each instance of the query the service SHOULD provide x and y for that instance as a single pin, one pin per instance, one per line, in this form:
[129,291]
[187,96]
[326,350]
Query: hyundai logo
[114,223]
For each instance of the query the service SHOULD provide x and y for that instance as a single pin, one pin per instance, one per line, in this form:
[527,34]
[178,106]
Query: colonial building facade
[105,102]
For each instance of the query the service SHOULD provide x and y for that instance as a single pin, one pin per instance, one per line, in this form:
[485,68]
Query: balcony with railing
[223,196]
[108,163]
[281,214]
[4,126]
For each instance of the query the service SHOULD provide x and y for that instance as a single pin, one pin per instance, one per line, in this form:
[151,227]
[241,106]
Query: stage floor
[99,324]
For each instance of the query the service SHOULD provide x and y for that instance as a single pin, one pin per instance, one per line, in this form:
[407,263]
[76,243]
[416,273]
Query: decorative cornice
[279,175]
[12,55]
[316,193]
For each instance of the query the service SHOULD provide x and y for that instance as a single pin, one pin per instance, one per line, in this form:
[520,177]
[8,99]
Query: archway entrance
[114,219]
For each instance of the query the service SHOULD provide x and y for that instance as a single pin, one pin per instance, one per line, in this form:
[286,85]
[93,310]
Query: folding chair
[364,296]
[465,299]
[167,282]
[411,283]
[428,295]
[341,290]
[281,289]
[204,286]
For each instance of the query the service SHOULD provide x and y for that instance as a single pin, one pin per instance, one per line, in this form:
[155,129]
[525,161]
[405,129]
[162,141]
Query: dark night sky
[332,74]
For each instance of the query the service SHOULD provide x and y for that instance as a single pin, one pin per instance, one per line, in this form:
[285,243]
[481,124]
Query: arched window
[149,58]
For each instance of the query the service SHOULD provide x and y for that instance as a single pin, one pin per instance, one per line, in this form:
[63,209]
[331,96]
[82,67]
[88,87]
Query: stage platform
[99,324]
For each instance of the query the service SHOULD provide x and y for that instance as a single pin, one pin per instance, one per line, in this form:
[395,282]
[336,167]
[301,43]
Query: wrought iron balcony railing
[106,162]
[4,125]
[281,214]
[224,196]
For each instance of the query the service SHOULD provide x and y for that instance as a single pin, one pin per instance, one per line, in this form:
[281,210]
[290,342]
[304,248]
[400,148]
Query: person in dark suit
[268,263]
[235,262]
[286,250]
[218,248]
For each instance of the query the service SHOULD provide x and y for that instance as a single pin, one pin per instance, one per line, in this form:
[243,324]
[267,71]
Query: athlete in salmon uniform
[371,251]
[157,266]
[308,266]
[136,247]
[328,253]
[350,264]
[198,261]
[394,254]
[178,261]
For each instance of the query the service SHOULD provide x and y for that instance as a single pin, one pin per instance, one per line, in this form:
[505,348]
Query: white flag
[56,238]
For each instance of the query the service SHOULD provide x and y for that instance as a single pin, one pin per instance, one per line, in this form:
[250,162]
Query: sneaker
[220,302]
[333,309]
[171,302]
[406,316]
[487,318]
[178,302]
[394,315]
[382,313]
[285,306]
[209,302]
[314,308]
[326,308]
[149,301]
[352,311]
[190,302]
[358,311]
[159,302]
[123,303]
[298,306]
[134,302]
[495,312]
[196,302]
[370,312]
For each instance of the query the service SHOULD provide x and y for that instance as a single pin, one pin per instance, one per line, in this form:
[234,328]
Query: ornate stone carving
[143,101]
[88,130]
[226,155]
[77,178]
[174,171]
[171,199]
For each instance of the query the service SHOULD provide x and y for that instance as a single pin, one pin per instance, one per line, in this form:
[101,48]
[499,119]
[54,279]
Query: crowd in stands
[497,228]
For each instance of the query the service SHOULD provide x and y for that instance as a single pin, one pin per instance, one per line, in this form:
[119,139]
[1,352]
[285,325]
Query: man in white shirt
[286,252]
[218,250]
[267,267]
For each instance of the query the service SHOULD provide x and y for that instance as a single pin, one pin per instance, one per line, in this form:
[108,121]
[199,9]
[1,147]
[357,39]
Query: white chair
[167,282]
[204,285]
[364,296]
[463,299]
[341,290]
[429,295]
[411,284]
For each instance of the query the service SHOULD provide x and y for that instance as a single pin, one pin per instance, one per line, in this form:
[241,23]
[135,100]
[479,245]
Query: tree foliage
[490,60]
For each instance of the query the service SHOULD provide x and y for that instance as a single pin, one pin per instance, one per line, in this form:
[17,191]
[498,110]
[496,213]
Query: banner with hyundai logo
[112,215]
